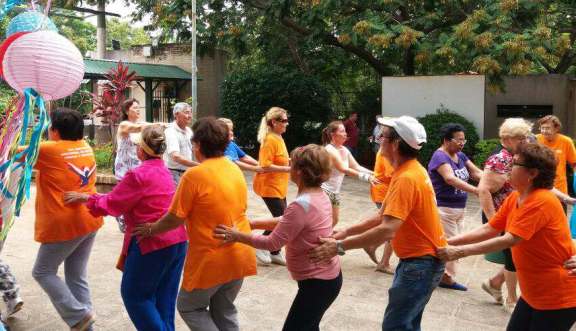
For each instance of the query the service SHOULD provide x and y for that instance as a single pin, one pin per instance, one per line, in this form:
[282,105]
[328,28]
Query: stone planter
[105,183]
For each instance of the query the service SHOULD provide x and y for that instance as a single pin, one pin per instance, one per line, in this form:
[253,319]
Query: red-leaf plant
[108,104]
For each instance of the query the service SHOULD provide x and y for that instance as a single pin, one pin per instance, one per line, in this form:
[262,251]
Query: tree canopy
[492,37]
[125,33]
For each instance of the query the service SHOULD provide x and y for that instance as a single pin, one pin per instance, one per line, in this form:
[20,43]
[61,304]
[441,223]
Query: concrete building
[533,97]
[211,70]
[530,97]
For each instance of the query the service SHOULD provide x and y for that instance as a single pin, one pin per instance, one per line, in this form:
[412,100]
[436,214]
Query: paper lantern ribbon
[16,171]
[8,5]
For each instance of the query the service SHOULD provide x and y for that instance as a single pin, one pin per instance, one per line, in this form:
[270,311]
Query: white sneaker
[278,258]
[13,306]
[263,257]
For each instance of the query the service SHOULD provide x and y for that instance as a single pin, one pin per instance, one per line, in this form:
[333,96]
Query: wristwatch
[340,248]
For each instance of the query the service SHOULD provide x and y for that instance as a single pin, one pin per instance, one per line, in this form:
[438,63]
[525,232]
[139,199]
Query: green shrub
[6,96]
[433,122]
[248,93]
[483,149]
[103,155]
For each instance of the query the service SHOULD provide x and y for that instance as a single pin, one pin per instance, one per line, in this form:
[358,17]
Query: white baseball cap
[408,128]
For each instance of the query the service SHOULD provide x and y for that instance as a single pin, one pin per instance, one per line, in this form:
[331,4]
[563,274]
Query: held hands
[259,170]
[450,253]
[323,253]
[74,197]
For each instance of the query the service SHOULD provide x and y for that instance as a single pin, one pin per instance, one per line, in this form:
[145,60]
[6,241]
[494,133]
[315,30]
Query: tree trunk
[408,68]
[101,30]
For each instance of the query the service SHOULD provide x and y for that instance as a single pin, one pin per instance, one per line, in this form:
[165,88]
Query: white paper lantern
[46,62]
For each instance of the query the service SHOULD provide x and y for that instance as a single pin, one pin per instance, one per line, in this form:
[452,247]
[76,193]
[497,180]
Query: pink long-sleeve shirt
[305,220]
[142,196]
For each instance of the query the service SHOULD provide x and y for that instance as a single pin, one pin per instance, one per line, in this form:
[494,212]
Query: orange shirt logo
[84,173]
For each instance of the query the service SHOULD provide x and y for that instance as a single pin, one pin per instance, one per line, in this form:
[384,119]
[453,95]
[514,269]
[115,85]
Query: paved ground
[265,299]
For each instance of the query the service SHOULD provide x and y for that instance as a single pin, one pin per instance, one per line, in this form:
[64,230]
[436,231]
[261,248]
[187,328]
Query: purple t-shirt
[448,195]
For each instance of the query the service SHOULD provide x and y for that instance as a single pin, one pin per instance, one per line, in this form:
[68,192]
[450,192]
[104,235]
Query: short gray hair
[180,106]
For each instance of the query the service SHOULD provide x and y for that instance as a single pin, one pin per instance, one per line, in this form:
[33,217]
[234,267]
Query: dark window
[527,111]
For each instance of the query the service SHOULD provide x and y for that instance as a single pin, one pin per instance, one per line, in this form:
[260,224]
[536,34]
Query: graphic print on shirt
[84,173]
[462,174]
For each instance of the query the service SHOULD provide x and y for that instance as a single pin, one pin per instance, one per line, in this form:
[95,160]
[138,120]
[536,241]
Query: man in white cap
[178,155]
[409,217]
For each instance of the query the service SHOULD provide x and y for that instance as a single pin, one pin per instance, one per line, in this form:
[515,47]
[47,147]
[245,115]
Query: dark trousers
[313,299]
[526,318]
[276,206]
[150,286]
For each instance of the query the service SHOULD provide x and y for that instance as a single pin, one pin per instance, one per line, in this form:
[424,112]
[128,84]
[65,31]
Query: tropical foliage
[108,104]
[408,37]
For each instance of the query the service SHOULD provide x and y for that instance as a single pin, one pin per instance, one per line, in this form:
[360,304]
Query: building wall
[420,95]
[554,90]
[211,70]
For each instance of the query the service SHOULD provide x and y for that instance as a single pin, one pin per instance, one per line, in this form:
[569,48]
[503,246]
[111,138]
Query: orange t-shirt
[209,194]
[383,172]
[546,243]
[565,153]
[411,198]
[272,184]
[63,166]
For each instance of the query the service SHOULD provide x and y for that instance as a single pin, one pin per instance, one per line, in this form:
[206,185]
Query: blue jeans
[414,281]
[150,286]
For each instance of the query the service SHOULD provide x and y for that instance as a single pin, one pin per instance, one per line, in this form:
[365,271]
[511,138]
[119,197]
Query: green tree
[492,37]
[171,17]
[249,92]
[126,34]
[80,32]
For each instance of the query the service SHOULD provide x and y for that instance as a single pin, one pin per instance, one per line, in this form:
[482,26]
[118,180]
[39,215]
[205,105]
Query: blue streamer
[573,216]
[8,5]
[32,150]
[30,154]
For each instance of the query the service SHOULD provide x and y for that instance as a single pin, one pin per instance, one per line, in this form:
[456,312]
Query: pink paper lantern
[46,62]
[7,42]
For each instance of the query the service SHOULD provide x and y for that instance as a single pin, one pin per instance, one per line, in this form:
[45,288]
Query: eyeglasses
[518,164]
[459,141]
[282,120]
[382,137]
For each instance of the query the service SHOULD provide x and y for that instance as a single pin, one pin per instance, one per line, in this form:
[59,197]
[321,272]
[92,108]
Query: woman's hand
[450,253]
[143,230]
[340,234]
[327,250]
[74,197]
[570,265]
[570,201]
[374,181]
[225,233]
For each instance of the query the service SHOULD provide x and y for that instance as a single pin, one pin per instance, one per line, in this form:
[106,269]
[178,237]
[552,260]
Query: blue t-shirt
[233,152]
[448,195]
